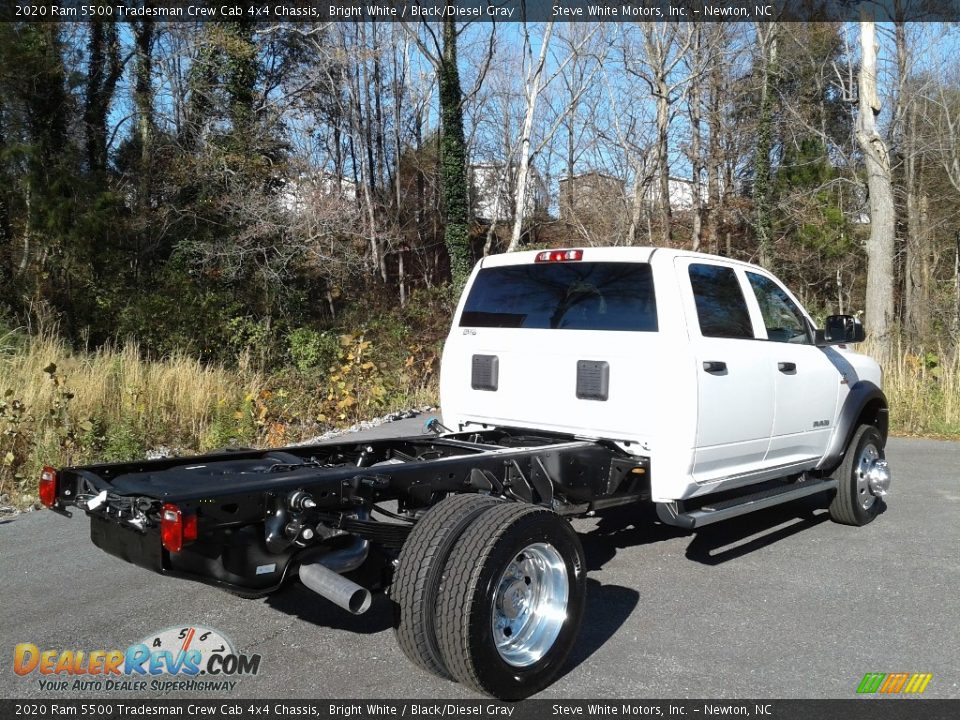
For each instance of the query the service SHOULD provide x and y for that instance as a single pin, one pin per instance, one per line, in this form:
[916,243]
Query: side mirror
[841,330]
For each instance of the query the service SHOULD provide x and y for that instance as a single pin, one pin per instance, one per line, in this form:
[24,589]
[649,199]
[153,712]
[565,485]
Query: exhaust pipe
[323,576]
[336,588]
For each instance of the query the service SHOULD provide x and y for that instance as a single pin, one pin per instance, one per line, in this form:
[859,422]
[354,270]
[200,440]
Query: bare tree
[631,127]
[767,48]
[908,131]
[718,98]
[533,87]
[664,47]
[702,58]
[880,246]
[946,100]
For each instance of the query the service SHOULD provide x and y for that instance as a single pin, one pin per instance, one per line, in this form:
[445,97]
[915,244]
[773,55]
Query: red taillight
[559,255]
[189,528]
[48,486]
[176,527]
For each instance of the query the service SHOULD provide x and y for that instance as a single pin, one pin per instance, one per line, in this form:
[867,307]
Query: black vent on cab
[485,373]
[593,379]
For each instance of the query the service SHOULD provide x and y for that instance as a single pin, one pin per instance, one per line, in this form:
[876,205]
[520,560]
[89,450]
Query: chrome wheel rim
[530,604]
[868,456]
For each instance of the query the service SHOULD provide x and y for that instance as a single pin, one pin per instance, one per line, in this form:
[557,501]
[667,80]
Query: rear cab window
[563,296]
[721,307]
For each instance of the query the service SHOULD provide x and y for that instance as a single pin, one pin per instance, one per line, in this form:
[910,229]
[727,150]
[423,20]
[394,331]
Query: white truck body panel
[703,431]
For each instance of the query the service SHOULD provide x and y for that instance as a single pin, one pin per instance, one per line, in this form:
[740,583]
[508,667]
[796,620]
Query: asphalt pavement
[780,604]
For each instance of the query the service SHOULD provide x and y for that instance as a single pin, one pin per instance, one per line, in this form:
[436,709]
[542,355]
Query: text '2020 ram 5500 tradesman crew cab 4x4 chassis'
[572,381]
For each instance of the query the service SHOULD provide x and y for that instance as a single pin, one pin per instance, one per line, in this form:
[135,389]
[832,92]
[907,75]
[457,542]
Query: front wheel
[862,479]
[512,600]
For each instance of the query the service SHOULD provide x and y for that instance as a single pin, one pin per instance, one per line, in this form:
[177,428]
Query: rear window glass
[721,309]
[563,296]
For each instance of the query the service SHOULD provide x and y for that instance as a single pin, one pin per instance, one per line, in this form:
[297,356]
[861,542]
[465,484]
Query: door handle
[787,367]
[714,366]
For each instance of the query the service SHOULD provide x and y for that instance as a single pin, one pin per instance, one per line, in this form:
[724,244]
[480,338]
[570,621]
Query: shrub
[310,349]
[123,442]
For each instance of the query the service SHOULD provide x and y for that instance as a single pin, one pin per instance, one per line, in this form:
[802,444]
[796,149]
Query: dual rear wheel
[491,594]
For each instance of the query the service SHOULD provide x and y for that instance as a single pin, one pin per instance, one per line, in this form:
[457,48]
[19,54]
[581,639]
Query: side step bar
[724,510]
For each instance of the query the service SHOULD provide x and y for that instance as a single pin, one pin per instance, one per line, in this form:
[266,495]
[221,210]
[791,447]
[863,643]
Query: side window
[781,316]
[721,308]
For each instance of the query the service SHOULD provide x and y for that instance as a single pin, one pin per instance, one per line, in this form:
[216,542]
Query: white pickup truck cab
[708,366]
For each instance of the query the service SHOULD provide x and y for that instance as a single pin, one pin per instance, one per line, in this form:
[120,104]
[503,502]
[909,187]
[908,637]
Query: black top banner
[482,10]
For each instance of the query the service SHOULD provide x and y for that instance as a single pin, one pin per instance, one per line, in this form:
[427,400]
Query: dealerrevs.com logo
[178,658]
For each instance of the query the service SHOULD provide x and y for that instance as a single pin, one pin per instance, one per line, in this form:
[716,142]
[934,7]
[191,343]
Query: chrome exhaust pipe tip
[334,587]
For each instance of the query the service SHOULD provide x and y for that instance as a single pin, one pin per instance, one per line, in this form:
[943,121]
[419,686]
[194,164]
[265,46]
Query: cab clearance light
[176,527]
[48,486]
[559,256]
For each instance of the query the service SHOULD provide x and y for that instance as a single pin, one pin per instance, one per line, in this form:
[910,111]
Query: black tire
[476,576]
[847,506]
[419,570]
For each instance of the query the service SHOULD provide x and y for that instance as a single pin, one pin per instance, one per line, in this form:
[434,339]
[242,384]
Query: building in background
[493,192]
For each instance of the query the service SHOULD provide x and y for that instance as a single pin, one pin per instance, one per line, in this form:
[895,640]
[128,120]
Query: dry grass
[923,389]
[59,407]
[116,384]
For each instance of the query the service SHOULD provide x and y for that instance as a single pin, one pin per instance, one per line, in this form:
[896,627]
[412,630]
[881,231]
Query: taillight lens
[189,528]
[48,486]
[559,256]
[176,527]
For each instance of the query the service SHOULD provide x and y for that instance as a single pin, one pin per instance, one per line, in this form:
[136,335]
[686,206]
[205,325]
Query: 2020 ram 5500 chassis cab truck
[572,381]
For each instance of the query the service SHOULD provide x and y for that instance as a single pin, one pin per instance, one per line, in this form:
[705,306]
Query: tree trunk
[879,296]
[665,211]
[6,231]
[696,161]
[640,187]
[360,125]
[240,80]
[532,92]
[143,100]
[904,179]
[453,151]
[571,164]
[763,224]
[105,68]
[657,48]
[956,285]
[201,83]
[715,122]
[372,122]
[916,288]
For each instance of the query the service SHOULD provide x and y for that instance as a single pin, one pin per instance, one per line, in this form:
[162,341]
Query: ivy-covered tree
[453,157]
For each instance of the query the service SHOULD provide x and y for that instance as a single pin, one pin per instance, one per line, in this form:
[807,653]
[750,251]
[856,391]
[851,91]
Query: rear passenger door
[735,385]
[806,382]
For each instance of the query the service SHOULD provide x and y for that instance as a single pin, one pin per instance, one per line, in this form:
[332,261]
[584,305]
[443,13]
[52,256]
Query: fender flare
[865,403]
